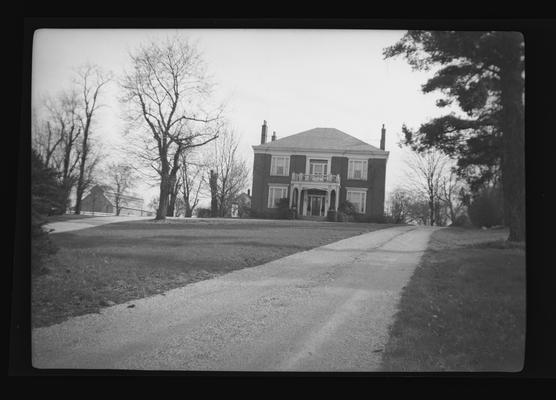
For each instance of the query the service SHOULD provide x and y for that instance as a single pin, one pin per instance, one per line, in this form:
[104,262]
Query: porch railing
[327,178]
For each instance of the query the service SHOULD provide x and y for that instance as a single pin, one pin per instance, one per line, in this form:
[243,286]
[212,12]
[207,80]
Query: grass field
[464,308]
[124,261]
[66,217]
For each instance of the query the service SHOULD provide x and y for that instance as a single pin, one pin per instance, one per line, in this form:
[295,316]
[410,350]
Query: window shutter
[350,170]
[287,170]
[365,202]
[365,167]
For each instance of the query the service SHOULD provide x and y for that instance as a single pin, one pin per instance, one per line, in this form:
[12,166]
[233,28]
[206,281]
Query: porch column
[291,195]
[305,203]
[327,203]
[336,197]
[299,200]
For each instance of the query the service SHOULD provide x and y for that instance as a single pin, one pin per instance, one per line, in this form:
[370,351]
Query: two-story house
[316,170]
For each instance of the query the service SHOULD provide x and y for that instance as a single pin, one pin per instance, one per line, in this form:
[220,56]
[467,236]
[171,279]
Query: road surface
[326,309]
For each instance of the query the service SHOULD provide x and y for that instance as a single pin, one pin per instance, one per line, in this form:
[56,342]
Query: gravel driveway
[326,309]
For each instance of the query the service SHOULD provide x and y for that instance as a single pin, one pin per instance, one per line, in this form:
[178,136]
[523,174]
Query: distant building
[241,206]
[103,200]
[318,169]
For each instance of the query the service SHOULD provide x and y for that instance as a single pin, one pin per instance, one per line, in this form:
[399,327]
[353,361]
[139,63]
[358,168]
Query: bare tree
[121,180]
[61,131]
[192,181]
[400,202]
[166,91]
[450,194]
[90,81]
[231,170]
[45,139]
[425,175]
[418,211]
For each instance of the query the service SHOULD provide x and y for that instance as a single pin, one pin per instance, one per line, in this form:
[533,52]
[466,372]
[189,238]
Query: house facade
[316,170]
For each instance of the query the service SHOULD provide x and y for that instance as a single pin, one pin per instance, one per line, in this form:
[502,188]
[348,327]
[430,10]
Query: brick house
[316,170]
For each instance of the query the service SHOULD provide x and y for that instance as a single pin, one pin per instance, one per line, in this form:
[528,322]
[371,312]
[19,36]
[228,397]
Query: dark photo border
[540,67]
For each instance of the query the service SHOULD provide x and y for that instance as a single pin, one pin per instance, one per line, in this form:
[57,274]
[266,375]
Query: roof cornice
[298,151]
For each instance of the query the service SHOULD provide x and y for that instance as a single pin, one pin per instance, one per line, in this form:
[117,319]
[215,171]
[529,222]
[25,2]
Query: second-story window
[318,167]
[357,169]
[280,166]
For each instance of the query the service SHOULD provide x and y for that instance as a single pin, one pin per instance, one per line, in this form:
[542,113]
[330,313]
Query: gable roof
[321,139]
[110,196]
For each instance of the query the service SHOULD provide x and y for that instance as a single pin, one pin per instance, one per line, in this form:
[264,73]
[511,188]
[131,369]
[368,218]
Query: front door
[317,205]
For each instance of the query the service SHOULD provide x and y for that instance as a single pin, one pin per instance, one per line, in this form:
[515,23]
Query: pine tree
[483,73]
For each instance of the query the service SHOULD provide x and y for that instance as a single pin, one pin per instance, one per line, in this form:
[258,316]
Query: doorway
[316,205]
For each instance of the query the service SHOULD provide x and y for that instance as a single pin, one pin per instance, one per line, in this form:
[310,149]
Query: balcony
[321,178]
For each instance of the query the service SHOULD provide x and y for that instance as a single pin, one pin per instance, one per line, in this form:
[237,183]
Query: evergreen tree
[483,73]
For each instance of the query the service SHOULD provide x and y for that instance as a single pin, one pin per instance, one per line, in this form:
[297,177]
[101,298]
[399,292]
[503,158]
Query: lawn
[115,263]
[66,217]
[464,307]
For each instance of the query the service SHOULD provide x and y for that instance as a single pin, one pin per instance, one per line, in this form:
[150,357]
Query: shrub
[46,195]
[244,212]
[486,209]
[204,212]
[461,220]
[347,211]
[348,208]
[284,209]
[42,246]
[332,216]
[341,217]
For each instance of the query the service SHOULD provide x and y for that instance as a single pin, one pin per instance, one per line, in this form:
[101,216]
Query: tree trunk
[174,185]
[162,210]
[81,180]
[213,194]
[163,202]
[171,204]
[431,211]
[222,206]
[513,163]
[188,211]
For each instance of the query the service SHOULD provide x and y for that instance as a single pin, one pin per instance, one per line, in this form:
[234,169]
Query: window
[275,193]
[318,167]
[280,166]
[359,200]
[357,169]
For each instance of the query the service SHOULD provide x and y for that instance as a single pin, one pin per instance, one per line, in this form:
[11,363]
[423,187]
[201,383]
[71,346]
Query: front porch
[313,195]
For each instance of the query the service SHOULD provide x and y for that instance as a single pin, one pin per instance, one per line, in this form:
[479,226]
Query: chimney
[263,133]
[248,192]
[273,136]
[383,138]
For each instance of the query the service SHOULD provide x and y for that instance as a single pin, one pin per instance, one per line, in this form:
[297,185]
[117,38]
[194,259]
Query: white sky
[294,79]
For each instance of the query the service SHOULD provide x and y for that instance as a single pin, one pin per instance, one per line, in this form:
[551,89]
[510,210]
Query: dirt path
[326,309]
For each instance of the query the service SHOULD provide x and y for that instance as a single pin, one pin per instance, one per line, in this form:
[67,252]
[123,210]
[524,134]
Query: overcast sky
[294,79]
